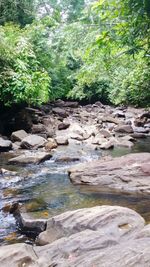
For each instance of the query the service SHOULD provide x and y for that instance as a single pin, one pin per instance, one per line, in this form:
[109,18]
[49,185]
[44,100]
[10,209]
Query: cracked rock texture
[102,236]
[130,173]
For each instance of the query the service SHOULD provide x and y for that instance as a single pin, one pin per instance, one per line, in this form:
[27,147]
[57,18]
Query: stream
[44,190]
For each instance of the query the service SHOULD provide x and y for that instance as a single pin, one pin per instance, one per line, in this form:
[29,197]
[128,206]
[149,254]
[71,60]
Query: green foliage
[97,51]
[17,11]
[22,79]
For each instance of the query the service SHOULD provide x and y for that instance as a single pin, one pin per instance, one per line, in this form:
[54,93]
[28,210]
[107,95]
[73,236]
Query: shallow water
[45,190]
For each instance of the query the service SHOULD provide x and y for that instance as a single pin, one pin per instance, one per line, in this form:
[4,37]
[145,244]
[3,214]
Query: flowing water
[45,190]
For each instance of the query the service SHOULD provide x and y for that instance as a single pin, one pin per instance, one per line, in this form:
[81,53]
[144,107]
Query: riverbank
[34,165]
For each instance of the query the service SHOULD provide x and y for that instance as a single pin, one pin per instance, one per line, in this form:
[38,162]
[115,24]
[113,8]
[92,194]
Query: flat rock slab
[102,236]
[31,157]
[130,173]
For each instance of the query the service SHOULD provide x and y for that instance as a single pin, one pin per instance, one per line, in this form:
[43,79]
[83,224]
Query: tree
[17,11]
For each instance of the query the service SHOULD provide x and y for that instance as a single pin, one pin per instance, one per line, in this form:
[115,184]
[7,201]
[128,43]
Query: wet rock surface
[130,173]
[86,236]
[30,157]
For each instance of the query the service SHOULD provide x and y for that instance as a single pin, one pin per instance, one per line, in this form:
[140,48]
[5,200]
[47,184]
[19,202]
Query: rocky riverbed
[38,148]
[100,236]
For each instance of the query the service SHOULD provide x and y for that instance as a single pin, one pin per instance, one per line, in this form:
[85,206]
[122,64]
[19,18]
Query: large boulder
[100,218]
[33,141]
[102,236]
[5,145]
[124,129]
[130,173]
[30,157]
[18,136]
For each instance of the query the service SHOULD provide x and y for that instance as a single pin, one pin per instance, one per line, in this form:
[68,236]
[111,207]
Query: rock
[147,125]
[145,115]
[7,172]
[107,145]
[5,145]
[86,236]
[110,119]
[18,136]
[24,222]
[60,140]
[33,141]
[61,112]
[63,125]
[71,104]
[51,144]
[141,130]
[66,159]
[104,218]
[30,157]
[139,122]
[124,143]
[124,129]
[18,255]
[138,135]
[119,113]
[16,145]
[50,131]
[105,133]
[127,138]
[98,140]
[99,104]
[130,173]
[38,128]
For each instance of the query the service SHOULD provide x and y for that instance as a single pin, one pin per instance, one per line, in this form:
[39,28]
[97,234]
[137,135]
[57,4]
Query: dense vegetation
[86,50]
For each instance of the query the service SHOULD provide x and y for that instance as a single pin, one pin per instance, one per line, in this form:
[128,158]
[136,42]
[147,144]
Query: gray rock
[141,130]
[119,113]
[106,218]
[16,145]
[130,173]
[94,237]
[38,128]
[18,255]
[105,133]
[111,119]
[60,140]
[18,136]
[138,135]
[61,112]
[107,144]
[66,159]
[71,104]
[124,129]
[33,141]
[31,157]
[63,125]
[5,145]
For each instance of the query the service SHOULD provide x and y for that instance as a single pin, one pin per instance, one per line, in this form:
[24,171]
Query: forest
[68,49]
